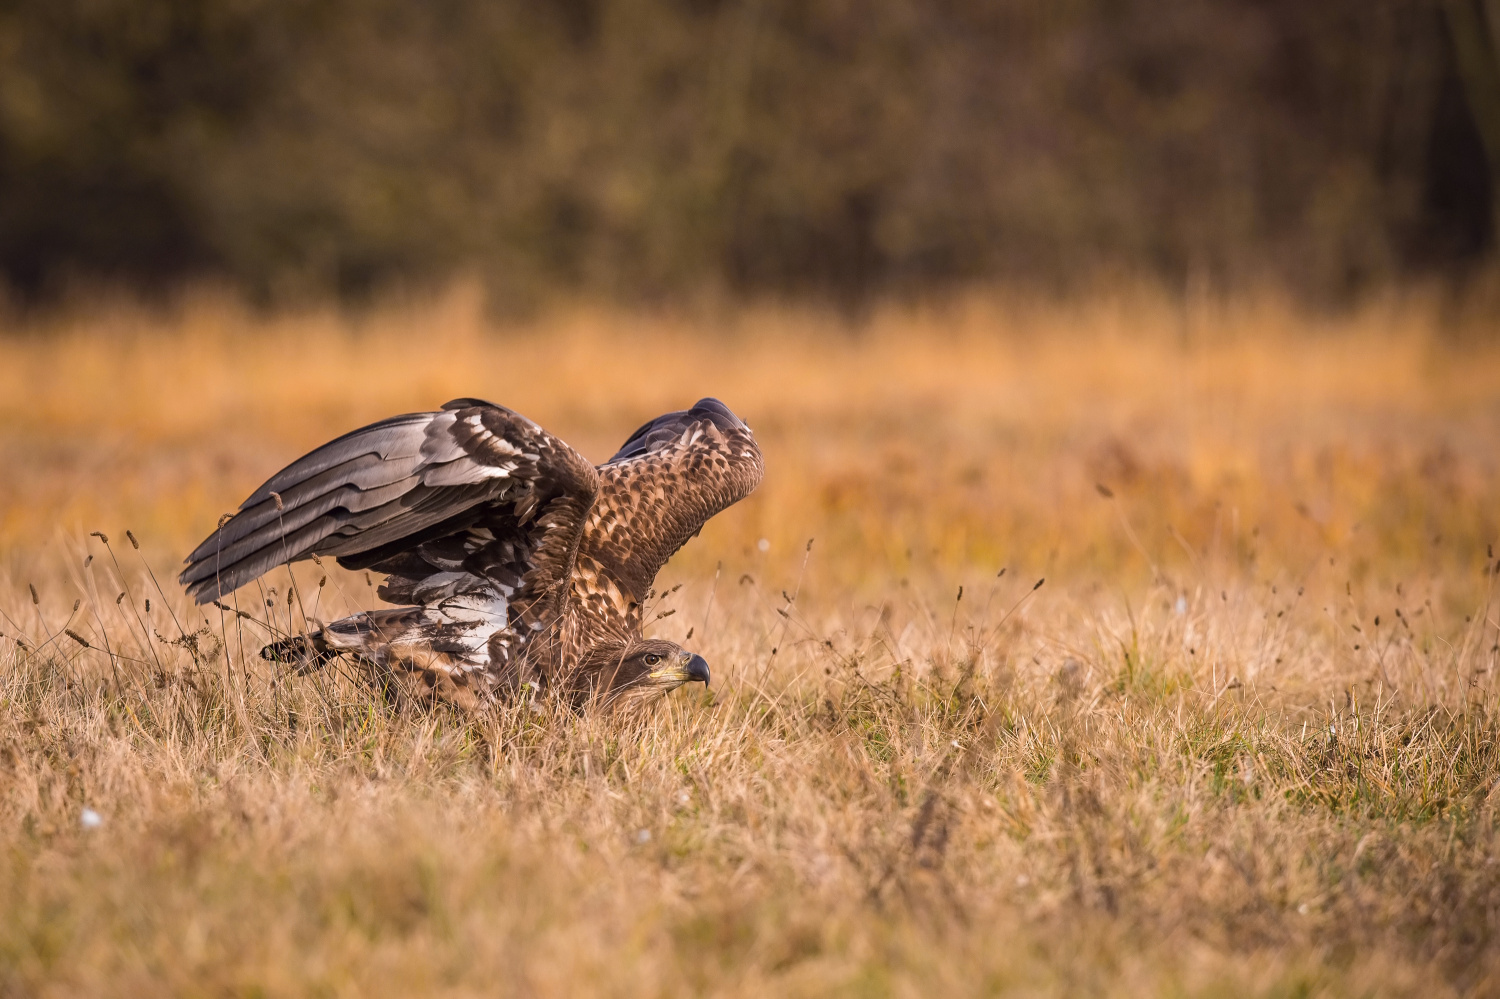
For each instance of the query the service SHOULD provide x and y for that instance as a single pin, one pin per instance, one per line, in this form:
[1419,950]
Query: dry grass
[1242,742]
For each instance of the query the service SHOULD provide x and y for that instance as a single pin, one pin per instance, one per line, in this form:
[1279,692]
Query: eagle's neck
[596,613]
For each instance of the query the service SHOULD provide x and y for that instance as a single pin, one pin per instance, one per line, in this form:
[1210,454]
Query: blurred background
[650,150]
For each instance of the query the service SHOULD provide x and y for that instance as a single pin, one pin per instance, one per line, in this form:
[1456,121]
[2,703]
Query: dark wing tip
[721,414]
[639,442]
[467,403]
[204,590]
[670,424]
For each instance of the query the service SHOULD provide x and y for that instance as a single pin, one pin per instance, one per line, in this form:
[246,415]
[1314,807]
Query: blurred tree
[1474,26]
[642,148]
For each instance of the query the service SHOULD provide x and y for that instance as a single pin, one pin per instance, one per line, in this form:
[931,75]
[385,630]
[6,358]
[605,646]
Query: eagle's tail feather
[305,652]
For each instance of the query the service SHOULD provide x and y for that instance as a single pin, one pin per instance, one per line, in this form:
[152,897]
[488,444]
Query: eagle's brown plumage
[517,561]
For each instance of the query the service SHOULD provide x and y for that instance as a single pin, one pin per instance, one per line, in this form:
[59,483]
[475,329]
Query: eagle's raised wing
[393,495]
[662,486]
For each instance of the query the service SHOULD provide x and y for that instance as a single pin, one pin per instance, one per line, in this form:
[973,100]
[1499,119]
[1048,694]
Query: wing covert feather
[663,485]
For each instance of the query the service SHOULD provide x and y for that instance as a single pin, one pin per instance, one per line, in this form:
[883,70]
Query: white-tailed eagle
[516,559]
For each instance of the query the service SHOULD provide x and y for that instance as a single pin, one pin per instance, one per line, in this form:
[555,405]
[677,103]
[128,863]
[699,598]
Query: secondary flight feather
[514,558]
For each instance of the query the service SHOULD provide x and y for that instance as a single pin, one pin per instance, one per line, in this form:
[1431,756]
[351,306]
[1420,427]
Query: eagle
[513,560]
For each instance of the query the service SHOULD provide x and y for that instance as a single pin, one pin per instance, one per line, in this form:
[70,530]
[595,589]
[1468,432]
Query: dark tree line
[824,147]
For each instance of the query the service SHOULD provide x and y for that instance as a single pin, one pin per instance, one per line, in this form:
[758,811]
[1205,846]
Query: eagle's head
[641,668]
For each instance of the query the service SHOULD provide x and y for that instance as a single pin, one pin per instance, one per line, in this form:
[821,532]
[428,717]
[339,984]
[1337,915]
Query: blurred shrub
[642,148]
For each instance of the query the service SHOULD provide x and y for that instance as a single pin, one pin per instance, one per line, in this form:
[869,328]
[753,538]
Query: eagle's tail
[408,651]
[304,652]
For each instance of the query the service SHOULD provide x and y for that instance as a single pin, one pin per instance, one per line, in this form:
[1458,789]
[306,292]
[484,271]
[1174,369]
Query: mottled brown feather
[521,560]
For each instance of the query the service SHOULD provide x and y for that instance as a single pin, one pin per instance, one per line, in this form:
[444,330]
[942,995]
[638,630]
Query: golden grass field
[1242,742]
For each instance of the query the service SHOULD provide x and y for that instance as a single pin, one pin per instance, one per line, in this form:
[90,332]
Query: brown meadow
[1241,741]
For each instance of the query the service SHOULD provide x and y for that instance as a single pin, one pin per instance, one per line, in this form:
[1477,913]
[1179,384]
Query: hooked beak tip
[697,669]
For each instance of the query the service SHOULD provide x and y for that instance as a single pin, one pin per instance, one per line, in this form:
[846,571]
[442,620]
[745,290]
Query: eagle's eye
[653,659]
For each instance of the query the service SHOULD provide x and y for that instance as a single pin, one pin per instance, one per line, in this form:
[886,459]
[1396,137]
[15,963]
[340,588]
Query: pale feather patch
[491,441]
[465,473]
[490,608]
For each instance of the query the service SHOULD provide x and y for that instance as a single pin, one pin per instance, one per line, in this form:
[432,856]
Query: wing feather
[391,486]
[392,439]
[663,485]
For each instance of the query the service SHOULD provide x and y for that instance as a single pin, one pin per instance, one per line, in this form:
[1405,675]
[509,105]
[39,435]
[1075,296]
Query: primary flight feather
[516,560]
